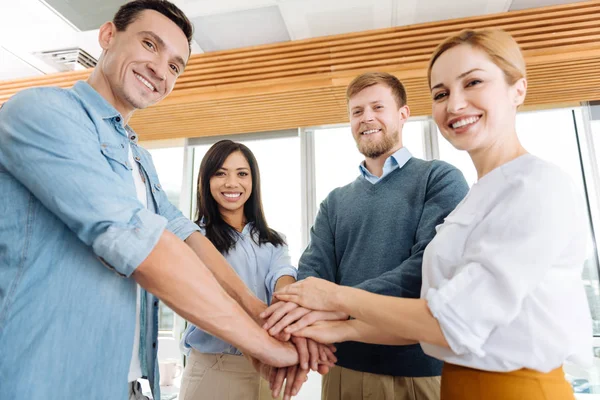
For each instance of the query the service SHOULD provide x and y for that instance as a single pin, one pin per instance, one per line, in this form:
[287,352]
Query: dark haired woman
[229,212]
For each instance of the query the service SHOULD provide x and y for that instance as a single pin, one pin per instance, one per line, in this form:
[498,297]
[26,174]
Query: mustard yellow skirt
[461,383]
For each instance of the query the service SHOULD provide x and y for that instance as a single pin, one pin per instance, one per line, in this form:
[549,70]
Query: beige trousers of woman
[221,377]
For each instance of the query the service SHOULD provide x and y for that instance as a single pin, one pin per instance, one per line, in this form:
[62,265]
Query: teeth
[370,131]
[464,122]
[232,195]
[145,82]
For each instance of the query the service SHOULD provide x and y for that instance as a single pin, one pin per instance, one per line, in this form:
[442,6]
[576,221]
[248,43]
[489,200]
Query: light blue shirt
[72,231]
[393,162]
[259,267]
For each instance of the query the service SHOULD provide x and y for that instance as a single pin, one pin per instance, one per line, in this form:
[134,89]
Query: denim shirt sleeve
[177,223]
[281,265]
[50,144]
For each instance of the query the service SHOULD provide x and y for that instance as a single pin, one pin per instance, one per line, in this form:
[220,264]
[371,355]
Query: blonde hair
[500,47]
[369,79]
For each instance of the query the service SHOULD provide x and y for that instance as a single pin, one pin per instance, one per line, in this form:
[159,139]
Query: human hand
[313,293]
[256,315]
[317,356]
[278,354]
[327,331]
[275,376]
[289,317]
[294,377]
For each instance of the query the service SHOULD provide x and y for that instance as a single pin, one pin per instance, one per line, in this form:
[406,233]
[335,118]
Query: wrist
[351,333]
[254,307]
[340,296]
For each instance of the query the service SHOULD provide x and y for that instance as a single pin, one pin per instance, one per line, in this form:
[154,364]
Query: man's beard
[378,148]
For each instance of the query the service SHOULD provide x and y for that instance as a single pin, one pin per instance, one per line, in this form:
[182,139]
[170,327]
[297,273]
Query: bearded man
[371,235]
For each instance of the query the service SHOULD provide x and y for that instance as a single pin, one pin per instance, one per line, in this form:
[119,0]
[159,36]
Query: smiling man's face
[142,63]
[376,121]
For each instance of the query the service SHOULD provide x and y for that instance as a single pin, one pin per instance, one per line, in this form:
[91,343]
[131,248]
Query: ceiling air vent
[68,59]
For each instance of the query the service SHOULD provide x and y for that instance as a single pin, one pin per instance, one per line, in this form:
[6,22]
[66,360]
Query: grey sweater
[372,237]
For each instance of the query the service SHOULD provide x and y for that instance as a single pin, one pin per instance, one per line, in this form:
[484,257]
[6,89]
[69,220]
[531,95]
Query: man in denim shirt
[84,223]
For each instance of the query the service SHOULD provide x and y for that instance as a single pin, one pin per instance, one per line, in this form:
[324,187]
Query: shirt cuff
[272,278]
[459,336]
[182,227]
[123,247]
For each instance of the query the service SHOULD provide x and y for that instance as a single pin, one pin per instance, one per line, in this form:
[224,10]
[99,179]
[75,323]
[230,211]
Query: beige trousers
[346,384]
[221,377]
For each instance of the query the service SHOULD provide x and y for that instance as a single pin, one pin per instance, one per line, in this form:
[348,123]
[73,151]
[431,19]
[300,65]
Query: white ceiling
[30,26]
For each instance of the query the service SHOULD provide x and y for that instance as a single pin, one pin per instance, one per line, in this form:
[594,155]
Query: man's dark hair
[130,11]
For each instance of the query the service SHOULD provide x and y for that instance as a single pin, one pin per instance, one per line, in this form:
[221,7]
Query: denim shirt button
[154,345]
[155,303]
[118,119]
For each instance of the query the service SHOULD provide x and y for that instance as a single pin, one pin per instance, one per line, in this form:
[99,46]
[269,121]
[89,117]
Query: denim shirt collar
[101,106]
[95,100]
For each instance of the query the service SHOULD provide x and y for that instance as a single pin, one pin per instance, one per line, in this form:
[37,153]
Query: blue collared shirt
[393,162]
[72,231]
[259,267]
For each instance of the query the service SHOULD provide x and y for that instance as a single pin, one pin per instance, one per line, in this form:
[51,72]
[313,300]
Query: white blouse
[503,274]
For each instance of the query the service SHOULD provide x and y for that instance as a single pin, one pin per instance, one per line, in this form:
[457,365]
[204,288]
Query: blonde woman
[502,301]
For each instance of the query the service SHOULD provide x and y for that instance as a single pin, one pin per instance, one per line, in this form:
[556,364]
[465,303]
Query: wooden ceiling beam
[302,83]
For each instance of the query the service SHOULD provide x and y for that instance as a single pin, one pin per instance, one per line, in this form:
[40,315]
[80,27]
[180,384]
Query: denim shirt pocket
[117,156]
[155,188]
[153,183]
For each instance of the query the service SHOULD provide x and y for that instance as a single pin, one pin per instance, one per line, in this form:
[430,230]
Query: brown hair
[368,79]
[500,47]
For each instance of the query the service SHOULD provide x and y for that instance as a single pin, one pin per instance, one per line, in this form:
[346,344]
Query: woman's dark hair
[130,11]
[222,235]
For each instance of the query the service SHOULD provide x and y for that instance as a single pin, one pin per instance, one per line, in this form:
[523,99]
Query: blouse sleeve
[281,265]
[536,224]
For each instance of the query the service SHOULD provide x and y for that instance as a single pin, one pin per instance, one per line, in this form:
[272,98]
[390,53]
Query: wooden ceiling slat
[302,83]
[397,45]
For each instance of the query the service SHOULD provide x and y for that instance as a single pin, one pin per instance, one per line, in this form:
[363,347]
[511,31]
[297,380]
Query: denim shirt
[72,232]
[260,267]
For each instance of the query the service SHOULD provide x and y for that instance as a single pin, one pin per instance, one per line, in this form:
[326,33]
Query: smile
[145,82]
[233,196]
[464,122]
[371,131]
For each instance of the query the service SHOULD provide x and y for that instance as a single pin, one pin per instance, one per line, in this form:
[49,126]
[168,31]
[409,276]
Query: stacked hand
[304,316]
